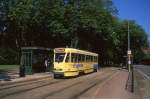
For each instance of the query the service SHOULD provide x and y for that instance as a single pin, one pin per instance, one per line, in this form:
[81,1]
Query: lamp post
[129,54]
[129,50]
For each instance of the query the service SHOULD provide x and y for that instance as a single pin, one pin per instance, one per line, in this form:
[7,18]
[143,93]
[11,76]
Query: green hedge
[8,67]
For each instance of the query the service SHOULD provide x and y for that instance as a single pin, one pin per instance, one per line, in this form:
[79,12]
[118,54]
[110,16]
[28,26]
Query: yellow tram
[72,62]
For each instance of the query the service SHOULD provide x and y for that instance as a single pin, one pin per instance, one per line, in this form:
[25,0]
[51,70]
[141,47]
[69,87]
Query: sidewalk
[114,88]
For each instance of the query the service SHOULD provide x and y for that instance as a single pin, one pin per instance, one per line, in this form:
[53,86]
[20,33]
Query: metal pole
[128,37]
[129,58]
[129,63]
[131,74]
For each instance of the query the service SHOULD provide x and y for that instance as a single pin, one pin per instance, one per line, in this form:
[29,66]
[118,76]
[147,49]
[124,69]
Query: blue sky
[138,10]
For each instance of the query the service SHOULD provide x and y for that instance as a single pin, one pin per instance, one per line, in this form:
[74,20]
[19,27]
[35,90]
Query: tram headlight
[59,69]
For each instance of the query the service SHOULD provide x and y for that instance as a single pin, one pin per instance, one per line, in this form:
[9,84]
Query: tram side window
[67,58]
[94,58]
[87,58]
[82,58]
[91,60]
[76,57]
[72,57]
[79,57]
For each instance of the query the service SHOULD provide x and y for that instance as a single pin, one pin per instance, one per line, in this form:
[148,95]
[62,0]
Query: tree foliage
[84,24]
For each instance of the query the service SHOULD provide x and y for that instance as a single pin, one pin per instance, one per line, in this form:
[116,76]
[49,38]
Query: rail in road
[25,86]
[56,88]
[21,83]
[74,91]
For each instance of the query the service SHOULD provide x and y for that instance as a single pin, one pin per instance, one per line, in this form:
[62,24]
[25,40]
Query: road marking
[143,74]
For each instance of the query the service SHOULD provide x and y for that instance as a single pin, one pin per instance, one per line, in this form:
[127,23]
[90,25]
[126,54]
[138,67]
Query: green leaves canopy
[85,24]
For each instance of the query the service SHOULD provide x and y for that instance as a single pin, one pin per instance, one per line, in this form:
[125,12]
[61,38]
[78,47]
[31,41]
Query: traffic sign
[129,62]
[129,52]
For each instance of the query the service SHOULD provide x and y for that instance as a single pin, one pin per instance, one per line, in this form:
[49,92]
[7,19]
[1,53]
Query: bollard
[132,82]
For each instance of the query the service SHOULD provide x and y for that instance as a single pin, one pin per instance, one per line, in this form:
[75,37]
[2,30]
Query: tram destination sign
[60,50]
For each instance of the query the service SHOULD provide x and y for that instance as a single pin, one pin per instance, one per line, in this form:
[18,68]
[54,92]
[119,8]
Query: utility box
[33,60]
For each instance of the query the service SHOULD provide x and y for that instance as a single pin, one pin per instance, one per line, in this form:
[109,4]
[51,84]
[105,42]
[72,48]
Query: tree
[84,24]
[3,14]
[138,40]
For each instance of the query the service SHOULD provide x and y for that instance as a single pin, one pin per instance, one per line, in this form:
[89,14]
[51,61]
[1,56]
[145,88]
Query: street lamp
[129,50]
[129,53]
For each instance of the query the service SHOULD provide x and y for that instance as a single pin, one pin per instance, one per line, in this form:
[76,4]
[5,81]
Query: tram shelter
[35,60]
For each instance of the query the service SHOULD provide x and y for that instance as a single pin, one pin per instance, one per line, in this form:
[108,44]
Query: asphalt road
[142,81]
[71,88]
[144,69]
[107,83]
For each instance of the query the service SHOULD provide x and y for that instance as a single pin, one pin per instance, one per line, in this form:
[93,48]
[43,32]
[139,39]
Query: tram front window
[59,57]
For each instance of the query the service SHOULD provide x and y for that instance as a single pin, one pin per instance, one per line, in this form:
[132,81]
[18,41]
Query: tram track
[22,83]
[34,85]
[81,88]
[57,87]
[54,92]
[94,84]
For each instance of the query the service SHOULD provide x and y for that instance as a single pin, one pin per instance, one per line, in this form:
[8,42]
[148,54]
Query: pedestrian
[46,64]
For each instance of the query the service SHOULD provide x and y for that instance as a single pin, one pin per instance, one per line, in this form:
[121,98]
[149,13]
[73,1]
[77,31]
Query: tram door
[26,60]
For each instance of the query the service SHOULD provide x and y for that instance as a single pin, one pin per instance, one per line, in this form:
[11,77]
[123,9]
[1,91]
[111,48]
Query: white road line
[144,74]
